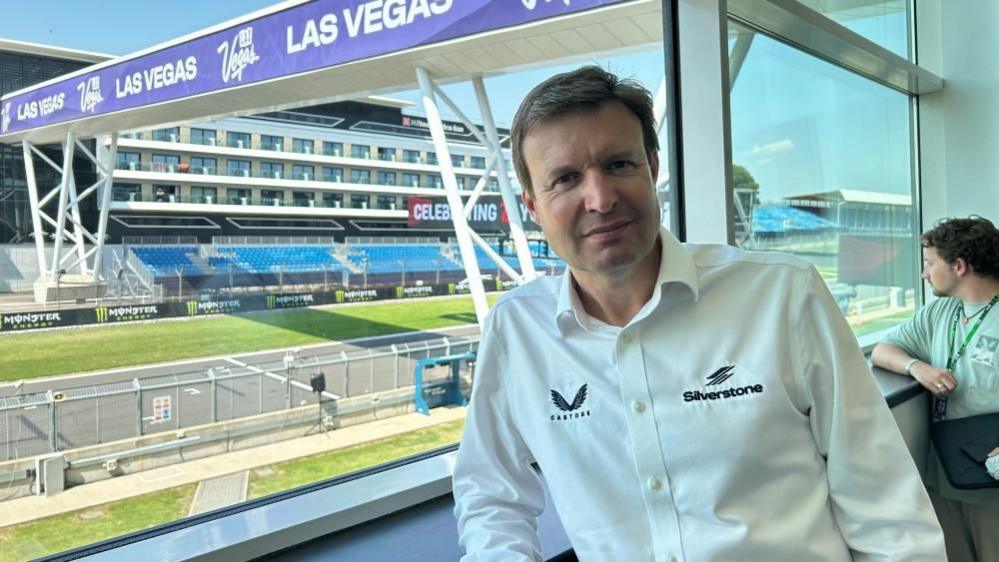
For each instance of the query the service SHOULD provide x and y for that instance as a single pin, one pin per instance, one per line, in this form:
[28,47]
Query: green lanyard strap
[940,404]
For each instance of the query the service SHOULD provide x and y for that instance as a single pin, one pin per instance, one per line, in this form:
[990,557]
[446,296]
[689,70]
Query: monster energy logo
[357,295]
[125,313]
[192,308]
[195,308]
[403,292]
[271,301]
[452,288]
[289,301]
[339,296]
[27,321]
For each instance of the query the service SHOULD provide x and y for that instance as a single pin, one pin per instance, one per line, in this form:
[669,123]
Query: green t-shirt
[926,337]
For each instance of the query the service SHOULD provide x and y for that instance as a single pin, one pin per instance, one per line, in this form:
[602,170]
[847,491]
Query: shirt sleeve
[913,336]
[498,495]
[876,494]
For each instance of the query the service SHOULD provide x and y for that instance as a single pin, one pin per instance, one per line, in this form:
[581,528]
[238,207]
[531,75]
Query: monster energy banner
[212,306]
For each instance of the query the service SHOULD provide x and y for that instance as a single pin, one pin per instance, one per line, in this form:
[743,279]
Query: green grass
[882,323]
[70,530]
[307,470]
[35,355]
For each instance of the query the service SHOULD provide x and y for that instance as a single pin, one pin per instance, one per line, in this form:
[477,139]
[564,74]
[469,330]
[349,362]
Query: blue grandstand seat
[783,219]
[164,261]
[271,259]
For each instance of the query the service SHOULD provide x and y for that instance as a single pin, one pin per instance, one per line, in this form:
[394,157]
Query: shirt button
[655,484]
[626,337]
[638,406]
[670,558]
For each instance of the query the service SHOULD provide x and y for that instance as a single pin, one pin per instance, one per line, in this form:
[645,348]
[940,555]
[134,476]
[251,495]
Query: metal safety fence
[58,420]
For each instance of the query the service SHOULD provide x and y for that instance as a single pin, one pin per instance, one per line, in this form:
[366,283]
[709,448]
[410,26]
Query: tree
[742,179]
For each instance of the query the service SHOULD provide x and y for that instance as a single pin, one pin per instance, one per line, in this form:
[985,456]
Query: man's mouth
[607,230]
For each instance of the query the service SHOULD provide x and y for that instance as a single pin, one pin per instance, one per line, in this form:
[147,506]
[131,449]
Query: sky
[799,125]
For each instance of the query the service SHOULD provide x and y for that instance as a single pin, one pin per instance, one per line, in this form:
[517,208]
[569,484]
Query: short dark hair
[581,90]
[974,239]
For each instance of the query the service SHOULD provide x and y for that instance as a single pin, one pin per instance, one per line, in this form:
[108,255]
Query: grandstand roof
[858,196]
[27,48]
[463,40]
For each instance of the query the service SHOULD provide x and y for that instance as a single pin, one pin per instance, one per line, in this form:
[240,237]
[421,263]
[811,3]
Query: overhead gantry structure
[299,53]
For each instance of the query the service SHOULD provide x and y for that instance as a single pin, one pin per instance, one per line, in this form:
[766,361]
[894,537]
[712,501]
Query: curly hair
[974,239]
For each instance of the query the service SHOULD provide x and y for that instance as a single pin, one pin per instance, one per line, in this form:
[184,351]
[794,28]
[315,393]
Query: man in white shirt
[685,403]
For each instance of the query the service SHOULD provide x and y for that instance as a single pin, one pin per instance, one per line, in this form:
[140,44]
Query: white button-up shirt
[734,418]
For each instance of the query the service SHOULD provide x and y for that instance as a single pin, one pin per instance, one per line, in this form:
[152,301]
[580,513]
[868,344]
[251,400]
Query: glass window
[238,195]
[303,199]
[129,161]
[205,137]
[458,160]
[411,180]
[272,170]
[434,180]
[271,197]
[202,165]
[166,193]
[332,148]
[303,172]
[204,194]
[359,201]
[165,162]
[334,200]
[360,176]
[332,174]
[360,151]
[126,192]
[238,140]
[822,169]
[478,162]
[885,22]
[167,135]
[386,178]
[432,158]
[387,154]
[271,142]
[386,202]
[239,168]
[303,146]
[411,156]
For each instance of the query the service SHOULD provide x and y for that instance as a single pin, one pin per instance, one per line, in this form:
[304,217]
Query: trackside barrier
[54,421]
[26,321]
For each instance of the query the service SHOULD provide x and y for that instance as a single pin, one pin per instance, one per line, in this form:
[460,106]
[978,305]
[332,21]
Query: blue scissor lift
[443,391]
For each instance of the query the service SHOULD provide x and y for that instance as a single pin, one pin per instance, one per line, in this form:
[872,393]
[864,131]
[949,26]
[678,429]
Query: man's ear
[961,267]
[654,165]
[529,202]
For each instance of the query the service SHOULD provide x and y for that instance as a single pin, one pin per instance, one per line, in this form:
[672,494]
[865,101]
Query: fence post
[97,417]
[52,421]
[346,373]
[395,352]
[180,396]
[138,406]
[371,371]
[214,394]
[289,363]
[260,393]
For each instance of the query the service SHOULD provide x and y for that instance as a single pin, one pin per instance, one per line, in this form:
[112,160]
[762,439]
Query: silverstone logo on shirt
[569,411]
[715,379]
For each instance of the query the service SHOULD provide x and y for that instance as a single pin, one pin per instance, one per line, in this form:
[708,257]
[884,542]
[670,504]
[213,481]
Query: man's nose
[600,194]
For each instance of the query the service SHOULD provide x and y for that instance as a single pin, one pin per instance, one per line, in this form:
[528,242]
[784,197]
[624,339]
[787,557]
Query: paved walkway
[220,492]
[22,510]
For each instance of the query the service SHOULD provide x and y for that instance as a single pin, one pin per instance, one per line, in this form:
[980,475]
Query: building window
[271,142]
[493,184]
[360,151]
[432,158]
[238,140]
[332,174]
[334,200]
[126,192]
[461,181]
[386,178]
[359,201]
[386,202]
[303,199]
[303,146]
[387,154]
[238,196]
[167,135]
[202,165]
[458,160]
[165,163]
[273,197]
[240,168]
[411,180]
[205,137]
[332,148]
[303,172]
[166,193]
[411,156]
[478,162]
[204,194]
[129,161]
[434,180]
[273,170]
[360,176]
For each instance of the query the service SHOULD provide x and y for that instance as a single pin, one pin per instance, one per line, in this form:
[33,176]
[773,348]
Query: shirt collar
[675,266]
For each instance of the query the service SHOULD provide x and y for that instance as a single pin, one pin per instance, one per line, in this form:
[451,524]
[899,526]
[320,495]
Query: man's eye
[621,165]
[564,180]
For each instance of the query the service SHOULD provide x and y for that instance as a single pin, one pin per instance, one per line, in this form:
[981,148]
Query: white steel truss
[496,162]
[67,224]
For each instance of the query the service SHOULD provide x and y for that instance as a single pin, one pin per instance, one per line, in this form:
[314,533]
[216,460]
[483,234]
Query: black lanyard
[940,404]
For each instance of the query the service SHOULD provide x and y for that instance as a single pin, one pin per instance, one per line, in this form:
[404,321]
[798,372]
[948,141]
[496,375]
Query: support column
[105,204]
[36,218]
[67,163]
[461,229]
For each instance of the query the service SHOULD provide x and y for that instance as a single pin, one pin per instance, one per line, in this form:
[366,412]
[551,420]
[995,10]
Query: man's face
[940,274]
[594,193]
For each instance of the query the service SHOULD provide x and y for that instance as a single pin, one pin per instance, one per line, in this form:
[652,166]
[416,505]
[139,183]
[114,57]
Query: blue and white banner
[303,38]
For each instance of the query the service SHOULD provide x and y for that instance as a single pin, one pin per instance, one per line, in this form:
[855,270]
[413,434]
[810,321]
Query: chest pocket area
[984,351]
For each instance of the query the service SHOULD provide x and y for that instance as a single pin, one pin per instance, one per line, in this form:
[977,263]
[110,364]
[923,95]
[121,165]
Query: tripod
[318,383]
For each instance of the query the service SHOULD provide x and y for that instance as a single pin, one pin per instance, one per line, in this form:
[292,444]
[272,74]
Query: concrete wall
[959,133]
